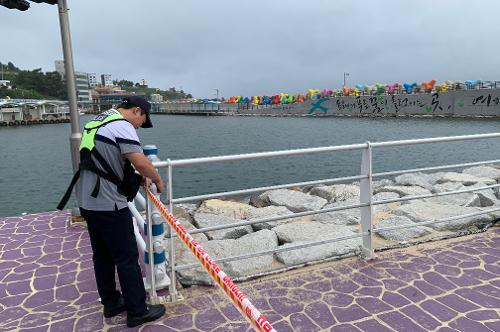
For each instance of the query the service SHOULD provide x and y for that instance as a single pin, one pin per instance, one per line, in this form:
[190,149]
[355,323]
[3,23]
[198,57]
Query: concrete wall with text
[484,102]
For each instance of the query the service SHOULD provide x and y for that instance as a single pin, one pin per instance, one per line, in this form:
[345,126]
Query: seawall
[460,103]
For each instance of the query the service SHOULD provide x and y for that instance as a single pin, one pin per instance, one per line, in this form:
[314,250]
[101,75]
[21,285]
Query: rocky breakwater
[294,231]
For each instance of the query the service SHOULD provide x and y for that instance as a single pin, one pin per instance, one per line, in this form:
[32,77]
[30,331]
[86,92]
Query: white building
[156,97]
[92,78]
[82,87]
[106,80]
[59,64]
[81,81]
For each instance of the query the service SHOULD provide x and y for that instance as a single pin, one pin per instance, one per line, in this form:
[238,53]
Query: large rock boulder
[267,212]
[480,198]
[229,209]
[447,186]
[386,195]
[425,211]
[307,231]
[464,199]
[185,209]
[295,201]
[335,193]
[414,179]
[434,177]
[381,183]
[465,179]
[343,217]
[404,190]
[202,220]
[483,171]
[488,196]
[403,234]
[263,240]
[179,247]
[252,243]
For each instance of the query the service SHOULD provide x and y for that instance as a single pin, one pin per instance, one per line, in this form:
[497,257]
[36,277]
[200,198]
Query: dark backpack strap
[97,186]
[67,195]
[110,174]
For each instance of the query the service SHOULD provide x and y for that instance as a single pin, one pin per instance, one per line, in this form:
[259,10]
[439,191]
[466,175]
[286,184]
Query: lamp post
[76,135]
[345,74]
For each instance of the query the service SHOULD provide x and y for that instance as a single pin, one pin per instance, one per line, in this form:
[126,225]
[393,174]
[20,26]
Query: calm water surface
[35,165]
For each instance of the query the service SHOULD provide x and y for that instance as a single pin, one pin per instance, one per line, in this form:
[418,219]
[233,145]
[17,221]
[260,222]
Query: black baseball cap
[144,105]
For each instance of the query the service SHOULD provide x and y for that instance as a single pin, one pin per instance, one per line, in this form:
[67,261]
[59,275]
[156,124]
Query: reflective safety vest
[131,181]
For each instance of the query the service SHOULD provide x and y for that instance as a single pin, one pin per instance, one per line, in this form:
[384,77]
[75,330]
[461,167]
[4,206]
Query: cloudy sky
[259,47]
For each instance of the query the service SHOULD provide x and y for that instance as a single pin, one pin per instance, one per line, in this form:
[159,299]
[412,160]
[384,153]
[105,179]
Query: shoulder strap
[67,194]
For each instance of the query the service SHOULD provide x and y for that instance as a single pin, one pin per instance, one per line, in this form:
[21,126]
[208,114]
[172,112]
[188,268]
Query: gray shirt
[113,141]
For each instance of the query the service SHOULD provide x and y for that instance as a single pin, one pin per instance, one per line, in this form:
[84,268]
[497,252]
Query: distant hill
[32,84]
[35,84]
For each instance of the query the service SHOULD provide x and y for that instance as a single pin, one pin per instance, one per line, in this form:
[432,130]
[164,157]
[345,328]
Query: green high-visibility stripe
[90,129]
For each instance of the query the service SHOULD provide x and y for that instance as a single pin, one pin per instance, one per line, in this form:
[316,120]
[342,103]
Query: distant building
[5,83]
[105,100]
[92,78]
[143,82]
[156,97]
[81,81]
[59,64]
[106,80]
[82,87]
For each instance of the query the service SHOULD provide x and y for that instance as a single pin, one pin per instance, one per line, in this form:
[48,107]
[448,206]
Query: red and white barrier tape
[240,301]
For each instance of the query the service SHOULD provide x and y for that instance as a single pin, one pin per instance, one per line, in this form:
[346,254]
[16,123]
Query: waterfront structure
[472,102]
[15,112]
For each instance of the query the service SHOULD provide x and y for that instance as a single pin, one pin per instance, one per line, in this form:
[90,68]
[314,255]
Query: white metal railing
[366,193]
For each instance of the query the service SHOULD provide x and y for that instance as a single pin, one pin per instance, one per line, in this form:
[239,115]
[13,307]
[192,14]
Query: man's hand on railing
[146,182]
[160,186]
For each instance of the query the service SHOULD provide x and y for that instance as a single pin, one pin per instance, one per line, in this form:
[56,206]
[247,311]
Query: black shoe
[153,312]
[118,308]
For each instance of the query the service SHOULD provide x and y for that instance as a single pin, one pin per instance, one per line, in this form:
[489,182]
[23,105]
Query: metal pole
[76,135]
[171,250]
[153,298]
[366,191]
[345,74]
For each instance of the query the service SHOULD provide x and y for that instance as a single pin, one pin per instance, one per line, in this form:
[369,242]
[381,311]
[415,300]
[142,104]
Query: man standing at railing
[109,147]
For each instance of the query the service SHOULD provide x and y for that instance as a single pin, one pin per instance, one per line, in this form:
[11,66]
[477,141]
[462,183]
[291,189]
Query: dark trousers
[113,245]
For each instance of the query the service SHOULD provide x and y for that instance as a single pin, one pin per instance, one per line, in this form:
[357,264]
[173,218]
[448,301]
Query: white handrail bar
[258,155]
[433,140]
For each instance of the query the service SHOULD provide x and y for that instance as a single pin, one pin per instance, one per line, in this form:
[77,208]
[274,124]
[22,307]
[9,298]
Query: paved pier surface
[47,284]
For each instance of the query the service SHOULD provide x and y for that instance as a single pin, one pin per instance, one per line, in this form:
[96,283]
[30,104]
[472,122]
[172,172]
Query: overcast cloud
[262,46]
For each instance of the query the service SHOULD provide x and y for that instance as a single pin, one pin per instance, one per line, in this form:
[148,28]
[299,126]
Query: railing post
[171,239]
[153,298]
[366,192]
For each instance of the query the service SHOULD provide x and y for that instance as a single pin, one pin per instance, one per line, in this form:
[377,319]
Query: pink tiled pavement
[47,284]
